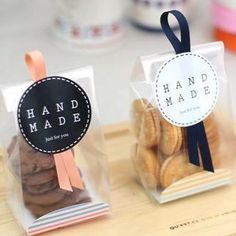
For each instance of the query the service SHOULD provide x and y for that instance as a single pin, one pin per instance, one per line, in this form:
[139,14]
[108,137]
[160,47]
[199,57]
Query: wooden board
[133,213]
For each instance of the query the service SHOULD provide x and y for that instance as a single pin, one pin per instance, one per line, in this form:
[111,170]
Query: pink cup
[224,17]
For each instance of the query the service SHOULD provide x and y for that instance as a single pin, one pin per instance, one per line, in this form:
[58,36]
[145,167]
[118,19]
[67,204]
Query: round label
[54,114]
[186,89]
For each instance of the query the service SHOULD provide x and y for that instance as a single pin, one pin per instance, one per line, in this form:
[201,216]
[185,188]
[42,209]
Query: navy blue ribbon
[196,135]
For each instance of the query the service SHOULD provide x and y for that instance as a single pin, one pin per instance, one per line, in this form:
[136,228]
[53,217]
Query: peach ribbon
[67,172]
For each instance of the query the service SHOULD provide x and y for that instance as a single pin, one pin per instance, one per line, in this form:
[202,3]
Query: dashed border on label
[87,121]
[215,97]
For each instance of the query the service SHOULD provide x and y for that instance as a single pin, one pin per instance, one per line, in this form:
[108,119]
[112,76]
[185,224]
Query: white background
[26,25]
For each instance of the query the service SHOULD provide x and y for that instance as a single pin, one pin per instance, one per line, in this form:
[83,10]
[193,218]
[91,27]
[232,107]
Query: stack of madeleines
[160,156]
[37,174]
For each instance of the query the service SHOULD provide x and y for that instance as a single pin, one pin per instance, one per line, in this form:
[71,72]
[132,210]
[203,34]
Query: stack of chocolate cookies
[36,172]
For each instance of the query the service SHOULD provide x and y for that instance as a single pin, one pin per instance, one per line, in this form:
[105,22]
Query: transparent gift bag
[181,118]
[53,189]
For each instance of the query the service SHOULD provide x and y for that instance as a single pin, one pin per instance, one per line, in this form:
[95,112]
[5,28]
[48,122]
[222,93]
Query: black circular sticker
[54,114]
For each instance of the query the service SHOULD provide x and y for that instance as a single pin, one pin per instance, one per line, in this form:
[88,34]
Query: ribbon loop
[196,135]
[182,45]
[36,65]
[67,172]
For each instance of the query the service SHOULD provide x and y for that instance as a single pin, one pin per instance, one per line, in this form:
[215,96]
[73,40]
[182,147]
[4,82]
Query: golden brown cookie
[175,168]
[212,133]
[146,125]
[138,108]
[180,140]
[211,125]
[213,137]
[140,105]
[133,154]
[147,165]
[210,119]
[157,122]
[148,135]
[171,138]
[214,147]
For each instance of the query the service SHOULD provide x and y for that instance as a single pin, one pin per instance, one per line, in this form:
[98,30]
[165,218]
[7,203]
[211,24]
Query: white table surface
[26,26]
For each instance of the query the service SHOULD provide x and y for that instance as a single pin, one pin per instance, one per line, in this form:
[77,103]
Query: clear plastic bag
[34,194]
[160,153]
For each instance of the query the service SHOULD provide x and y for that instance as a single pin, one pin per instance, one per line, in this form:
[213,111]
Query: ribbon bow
[67,172]
[196,135]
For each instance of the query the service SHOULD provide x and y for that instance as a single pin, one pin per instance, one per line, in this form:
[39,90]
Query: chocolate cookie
[25,160]
[33,161]
[77,197]
[46,199]
[42,188]
[38,178]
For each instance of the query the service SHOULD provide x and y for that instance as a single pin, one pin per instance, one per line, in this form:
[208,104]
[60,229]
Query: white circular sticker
[186,89]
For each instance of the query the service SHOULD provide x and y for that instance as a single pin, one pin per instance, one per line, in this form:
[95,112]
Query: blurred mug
[146,13]
[89,23]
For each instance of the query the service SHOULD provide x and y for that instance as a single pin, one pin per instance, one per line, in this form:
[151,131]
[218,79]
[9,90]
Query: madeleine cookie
[171,138]
[175,168]
[147,165]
